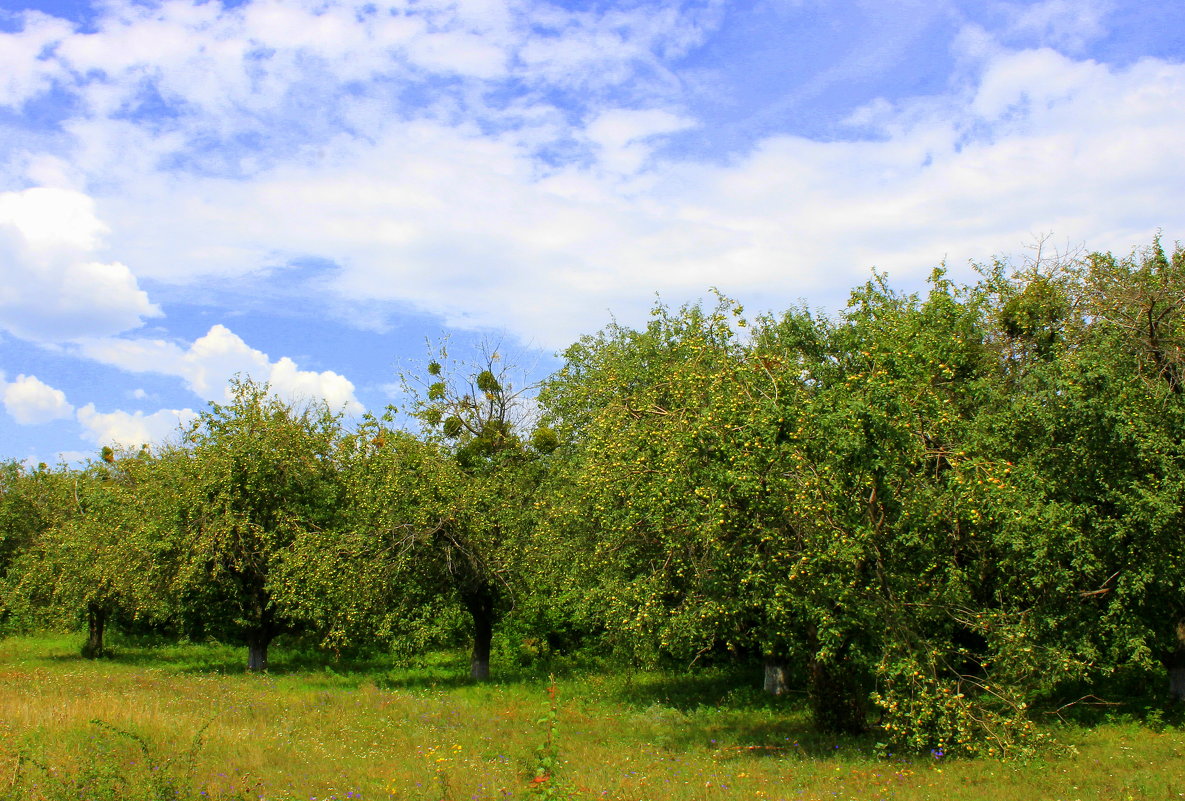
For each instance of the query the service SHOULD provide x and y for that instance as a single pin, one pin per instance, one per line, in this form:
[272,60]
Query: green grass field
[371,731]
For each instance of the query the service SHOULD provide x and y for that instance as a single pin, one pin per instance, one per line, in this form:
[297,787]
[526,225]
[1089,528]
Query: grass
[369,730]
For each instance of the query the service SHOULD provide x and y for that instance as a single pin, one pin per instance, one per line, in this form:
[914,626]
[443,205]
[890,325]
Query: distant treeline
[932,513]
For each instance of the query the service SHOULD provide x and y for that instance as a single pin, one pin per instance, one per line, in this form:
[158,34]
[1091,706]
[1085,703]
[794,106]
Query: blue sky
[306,191]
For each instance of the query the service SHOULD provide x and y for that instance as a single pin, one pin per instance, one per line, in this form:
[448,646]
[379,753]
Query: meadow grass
[373,731]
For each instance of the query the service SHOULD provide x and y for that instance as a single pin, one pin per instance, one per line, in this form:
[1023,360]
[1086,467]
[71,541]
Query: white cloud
[73,458]
[131,430]
[1067,24]
[25,72]
[445,205]
[464,53]
[290,381]
[232,70]
[465,226]
[290,75]
[214,358]
[69,458]
[211,361]
[30,401]
[51,289]
[49,220]
[625,136]
[615,48]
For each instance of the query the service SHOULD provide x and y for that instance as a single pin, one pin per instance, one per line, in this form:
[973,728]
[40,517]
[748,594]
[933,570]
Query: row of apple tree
[935,512]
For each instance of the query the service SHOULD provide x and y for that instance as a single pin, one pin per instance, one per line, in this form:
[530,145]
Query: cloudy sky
[305,190]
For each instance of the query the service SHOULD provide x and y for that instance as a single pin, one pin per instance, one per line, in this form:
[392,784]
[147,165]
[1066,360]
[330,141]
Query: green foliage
[858,497]
[32,502]
[257,475]
[101,554]
[487,383]
[637,407]
[453,427]
[399,498]
[544,782]
[936,512]
[1035,315]
[430,523]
[544,440]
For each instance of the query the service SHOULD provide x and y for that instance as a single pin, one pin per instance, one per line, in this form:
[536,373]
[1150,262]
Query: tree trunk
[775,677]
[1177,678]
[481,608]
[837,703]
[257,652]
[1175,664]
[263,629]
[96,622]
[834,690]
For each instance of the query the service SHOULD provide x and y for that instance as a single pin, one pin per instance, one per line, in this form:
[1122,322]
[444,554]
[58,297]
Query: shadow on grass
[736,734]
[311,666]
[712,687]
[1131,694]
[212,658]
[723,710]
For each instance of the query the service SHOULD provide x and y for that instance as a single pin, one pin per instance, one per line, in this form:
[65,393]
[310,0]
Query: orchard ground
[185,722]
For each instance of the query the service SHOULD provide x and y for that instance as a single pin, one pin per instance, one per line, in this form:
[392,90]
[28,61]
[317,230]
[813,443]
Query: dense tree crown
[934,512]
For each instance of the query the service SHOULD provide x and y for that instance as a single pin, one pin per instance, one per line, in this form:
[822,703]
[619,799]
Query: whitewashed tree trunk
[1175,664]
[1177,683]
[775,678]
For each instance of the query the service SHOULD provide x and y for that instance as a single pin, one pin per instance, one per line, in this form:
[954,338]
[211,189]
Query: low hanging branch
[1102,590]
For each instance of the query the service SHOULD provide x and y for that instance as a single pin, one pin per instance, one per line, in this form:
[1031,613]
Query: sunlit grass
[372,731]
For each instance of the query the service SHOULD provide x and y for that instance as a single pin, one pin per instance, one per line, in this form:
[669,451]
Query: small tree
[32,502]
[430,521]
[661,501]
[104,555]
[399,502]
[254,475]
[481,419]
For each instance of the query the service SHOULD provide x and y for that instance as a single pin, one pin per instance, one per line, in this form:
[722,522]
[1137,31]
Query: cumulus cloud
[30,400]
[131,429]
[53,288]
[209,363]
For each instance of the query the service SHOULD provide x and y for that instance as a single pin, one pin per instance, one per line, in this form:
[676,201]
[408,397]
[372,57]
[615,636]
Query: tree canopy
[933,512]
